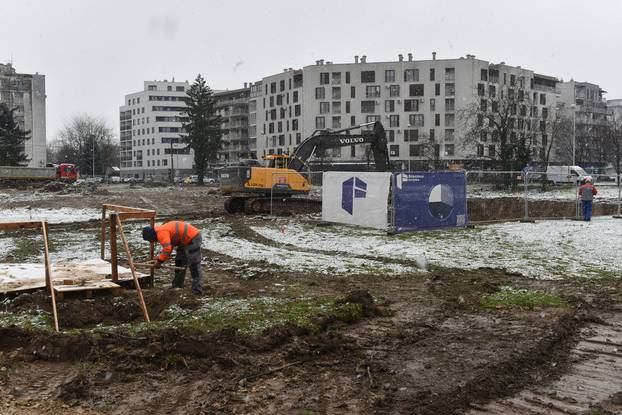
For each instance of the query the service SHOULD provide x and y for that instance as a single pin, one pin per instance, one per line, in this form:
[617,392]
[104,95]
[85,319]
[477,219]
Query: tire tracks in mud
[244,231]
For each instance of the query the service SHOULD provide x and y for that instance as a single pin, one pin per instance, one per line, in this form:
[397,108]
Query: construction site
[303,316]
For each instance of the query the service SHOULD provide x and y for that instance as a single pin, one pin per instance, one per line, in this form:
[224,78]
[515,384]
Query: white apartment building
[233,107]
[614,108]
[151,132]
[417,101]
[26,92]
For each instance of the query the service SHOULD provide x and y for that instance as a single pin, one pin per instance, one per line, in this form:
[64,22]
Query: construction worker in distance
[587,191]
[187,239]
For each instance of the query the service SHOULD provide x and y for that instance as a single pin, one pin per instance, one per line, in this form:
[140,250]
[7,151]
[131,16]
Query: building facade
[614,108]
[233,107]
[421,104]
[151,132]
[26,93]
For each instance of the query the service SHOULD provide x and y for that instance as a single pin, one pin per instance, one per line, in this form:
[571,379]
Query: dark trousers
[586,205]
[189,255]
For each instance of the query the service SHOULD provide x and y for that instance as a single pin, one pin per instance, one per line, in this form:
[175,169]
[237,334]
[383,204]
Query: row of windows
[166,97]
[296,81]
[279,126]
[283,112]
[151,141]
[374,91]
[278,99]
[424,150]
[179,88]
[410,105]
[409,75]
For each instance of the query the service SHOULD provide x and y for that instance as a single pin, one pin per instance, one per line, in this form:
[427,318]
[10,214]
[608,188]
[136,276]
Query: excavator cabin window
[277,161]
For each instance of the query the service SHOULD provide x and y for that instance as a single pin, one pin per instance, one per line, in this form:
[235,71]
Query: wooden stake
[48,273]
[151,253]
[102,247]
[131,262]
[114,253]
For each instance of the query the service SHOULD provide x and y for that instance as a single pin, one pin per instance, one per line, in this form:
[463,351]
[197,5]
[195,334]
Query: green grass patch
[35,319]
[508,297]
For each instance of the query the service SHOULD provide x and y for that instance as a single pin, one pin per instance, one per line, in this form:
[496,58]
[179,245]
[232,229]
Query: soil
[421,344]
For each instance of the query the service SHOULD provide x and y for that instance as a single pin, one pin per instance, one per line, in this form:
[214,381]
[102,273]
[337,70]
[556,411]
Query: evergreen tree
[12,139]
[203,125]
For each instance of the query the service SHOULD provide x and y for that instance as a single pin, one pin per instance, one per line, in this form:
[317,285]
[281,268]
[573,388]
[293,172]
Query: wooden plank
[137,215]
[151,256]
[125,209]
[48,273]
[89,286]
[131,263]
[114,253]
[10,226]
[102,239]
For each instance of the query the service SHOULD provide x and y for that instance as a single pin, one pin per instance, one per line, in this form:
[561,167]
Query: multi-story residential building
[26,93]
[421,104]
[614,107]
[233,107]
[255,92]
[151,132]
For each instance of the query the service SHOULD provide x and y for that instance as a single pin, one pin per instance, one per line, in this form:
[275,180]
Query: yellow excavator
[252,189]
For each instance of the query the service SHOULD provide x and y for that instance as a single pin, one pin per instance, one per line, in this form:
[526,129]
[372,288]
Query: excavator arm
[321,140]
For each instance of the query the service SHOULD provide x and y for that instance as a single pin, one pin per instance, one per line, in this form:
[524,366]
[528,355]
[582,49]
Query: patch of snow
[62,215]
[219,239]
[547,249]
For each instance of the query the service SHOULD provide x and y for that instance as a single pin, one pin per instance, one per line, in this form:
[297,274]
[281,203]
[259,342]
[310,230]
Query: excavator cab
[277,161]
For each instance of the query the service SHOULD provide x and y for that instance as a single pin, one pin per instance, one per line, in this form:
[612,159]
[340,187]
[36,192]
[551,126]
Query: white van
[565,174]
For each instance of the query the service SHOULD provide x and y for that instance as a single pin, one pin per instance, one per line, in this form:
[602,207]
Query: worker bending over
[187,239]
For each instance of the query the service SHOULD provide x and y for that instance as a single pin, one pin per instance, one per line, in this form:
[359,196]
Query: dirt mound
[364,299]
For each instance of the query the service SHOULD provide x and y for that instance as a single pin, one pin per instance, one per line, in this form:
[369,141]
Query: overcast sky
[95,52]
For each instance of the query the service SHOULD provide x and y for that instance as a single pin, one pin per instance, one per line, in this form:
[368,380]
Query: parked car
[565,174]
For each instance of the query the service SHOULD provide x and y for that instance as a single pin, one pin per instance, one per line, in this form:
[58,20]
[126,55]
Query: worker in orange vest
[187,239]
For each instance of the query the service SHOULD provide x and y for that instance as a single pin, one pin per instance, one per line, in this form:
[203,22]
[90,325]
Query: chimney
[433,56]
[321,61]
[329,63]
[356,58]
[410,57]
[245,85]
[284,69]
[400,57]
[364,59]
[317,63]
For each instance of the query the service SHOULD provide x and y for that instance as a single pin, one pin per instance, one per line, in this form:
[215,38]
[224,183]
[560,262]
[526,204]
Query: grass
[508,297]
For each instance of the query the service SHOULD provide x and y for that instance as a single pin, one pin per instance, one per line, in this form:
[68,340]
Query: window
[437,89]
[150,88]
[320,93]
[449,135]
[432,134]
[294,125]
[336,92]
[368,106]
[510,93]
[493,75]
[411,105]
[336,78]
[347,107]
[483,136]
[411,75]
[483,105]
[279,99]
[450,74]
[481,89]
[271,101]
[337,107]
[391,135]
[352,92]
[324,78]
[336,122]
[353,120]
[394,121]
[542,99]
[320,123]
[298,138]
[432,104]
[179,88]
[411,135]
[437,120]
[416,150]
[347,77]
[450,104]
[394,91]
[545,113]
[480,150]
[449,120]
[545,140]
[449,149]
[164,162]
[372,118]
[394,150]
[368,76]
[512,80]
[389,105]
[491,150]
[372,91]
[294,97]
[450,90]
[280,126]
[492,91]
[432,75]
[273,88]
[352,151]
[484,74]
[297,110]
[271,128]
[416,120]
[324,107]
[389,75]
[415,90]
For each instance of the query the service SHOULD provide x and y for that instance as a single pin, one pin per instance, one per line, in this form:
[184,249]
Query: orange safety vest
[174,233]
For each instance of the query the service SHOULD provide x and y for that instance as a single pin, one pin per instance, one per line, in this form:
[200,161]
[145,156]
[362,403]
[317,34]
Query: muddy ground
[418,343]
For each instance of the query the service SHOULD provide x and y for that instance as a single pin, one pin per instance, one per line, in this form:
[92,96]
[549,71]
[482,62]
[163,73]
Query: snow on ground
[219,239]
[606,193]
[62,215]
[547,249]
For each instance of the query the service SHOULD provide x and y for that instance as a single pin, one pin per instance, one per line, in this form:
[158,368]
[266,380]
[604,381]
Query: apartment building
[233,107]
[26,93]
[421,104]
[151,132]
[614,108]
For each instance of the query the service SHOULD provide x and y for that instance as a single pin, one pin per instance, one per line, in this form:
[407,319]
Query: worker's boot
[195,272]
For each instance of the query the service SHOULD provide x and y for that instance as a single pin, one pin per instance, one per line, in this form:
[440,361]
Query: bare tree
[557,130]
[87,141]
